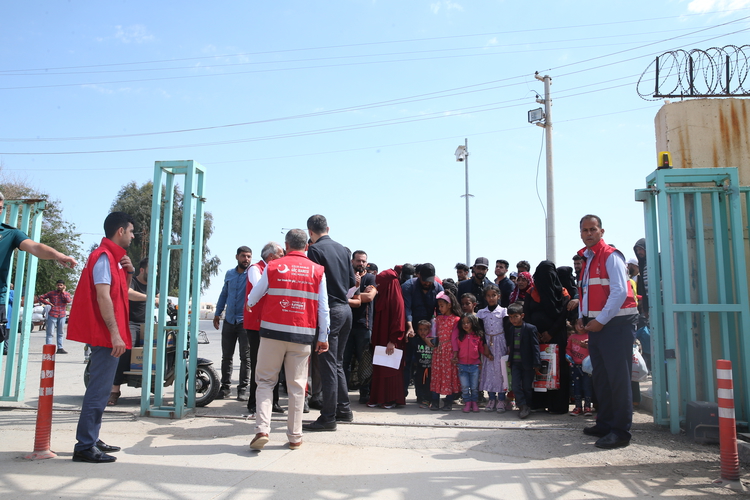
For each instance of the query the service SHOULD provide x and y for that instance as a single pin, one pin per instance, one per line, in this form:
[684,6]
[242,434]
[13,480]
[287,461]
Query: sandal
[113,397]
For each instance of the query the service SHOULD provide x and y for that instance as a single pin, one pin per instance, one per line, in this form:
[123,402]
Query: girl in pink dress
[444,373]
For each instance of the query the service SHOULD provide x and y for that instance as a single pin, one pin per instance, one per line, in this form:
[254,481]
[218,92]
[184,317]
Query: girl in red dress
[444,373]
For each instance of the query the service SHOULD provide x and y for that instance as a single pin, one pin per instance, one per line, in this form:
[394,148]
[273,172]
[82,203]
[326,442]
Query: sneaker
[575,412]
[474,406]
[424,404]
[490,405]
[242,395]
[224,393]
[467,407]
[62,351]
[388,406]
[525,411]
[501,407]
[372,405]
[587,411]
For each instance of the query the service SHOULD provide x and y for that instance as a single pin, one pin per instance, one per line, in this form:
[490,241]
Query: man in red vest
[251,321]
[295,316]
[100,317]
[608,310]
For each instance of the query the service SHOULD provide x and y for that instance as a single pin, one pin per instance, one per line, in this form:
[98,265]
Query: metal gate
[189,251]
[26,215]
[697,287]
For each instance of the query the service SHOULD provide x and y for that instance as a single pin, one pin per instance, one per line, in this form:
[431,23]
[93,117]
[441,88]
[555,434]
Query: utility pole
[462,154]
[547,101]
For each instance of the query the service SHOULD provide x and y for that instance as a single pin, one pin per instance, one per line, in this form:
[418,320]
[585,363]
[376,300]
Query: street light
[462,154]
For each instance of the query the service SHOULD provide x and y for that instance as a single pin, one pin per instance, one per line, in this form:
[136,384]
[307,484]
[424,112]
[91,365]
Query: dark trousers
[359,340]
[410,364]
[230,335]
[522,380]
[611,352]
[253,337]
[331,364]
[102,367]
[583,387]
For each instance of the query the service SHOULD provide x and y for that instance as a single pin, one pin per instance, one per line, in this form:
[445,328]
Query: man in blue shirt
[233,298]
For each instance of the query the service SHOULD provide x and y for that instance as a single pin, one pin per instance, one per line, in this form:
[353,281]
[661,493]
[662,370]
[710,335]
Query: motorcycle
[207,381]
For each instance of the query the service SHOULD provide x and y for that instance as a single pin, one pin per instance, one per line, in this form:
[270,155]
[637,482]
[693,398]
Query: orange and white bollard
[730,461]
[44,409]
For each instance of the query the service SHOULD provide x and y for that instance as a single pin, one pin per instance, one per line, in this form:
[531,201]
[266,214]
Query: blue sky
[352,109]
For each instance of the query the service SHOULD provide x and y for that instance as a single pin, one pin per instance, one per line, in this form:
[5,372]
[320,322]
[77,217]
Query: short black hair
[424,322]
[461,267]
[358,252]
[503,261]
[317,224]
[244,249]
[469,296]
[115,221]
[524,264]
[577,257]
[143,264]
[515,308]
[489,288]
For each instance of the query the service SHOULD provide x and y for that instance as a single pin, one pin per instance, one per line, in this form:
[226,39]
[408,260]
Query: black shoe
[252,410]
[242,395]
[107,448]
[344,416]
[93,456]
[364,398]
[611,441]
[61,351]
[595,430]
[277,408]
[315,404]
[224,393]
[320,426]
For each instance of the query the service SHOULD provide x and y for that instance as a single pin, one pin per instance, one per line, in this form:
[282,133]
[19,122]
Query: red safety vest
[290,312]
[86,323]
[251,320]
[597,287]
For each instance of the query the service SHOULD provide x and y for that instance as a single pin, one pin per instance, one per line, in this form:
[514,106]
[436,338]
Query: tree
[57,232]
[136,201]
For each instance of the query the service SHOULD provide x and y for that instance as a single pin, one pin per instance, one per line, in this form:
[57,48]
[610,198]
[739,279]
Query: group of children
[463,352]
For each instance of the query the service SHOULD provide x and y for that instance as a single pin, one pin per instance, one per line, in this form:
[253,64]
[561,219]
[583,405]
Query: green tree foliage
[136,201]
[57,232]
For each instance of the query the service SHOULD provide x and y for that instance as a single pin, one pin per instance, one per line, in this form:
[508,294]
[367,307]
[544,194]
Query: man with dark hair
[462,272]
[11,239]
[251,321]
[99,317]
[339,278]
[361,333]
[297,305]
[578,266]
[608,311]
[372,268]
[232,297]
[419,303]
[478,281]
[502,281]
[523,266]
[58,299]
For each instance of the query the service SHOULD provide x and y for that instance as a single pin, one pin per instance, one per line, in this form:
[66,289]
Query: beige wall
[706,133]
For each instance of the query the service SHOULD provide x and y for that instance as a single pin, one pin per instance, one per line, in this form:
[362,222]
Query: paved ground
[403,453]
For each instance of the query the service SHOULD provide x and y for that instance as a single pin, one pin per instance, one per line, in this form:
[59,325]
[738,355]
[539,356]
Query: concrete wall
[703,133]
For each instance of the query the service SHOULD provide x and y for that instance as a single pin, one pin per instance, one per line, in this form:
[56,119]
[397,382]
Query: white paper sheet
[380,358]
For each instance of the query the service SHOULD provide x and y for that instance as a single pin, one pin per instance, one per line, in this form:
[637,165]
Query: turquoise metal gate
[697,287]
[189,251]
[26,215]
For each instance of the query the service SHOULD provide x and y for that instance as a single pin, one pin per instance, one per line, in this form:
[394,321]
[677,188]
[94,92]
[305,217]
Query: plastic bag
[587,366]
[640,371]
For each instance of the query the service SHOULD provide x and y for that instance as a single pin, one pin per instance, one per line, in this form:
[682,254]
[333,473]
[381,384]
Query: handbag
[640,370]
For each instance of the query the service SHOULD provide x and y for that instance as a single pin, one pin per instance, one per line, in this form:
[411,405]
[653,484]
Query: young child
[578,349]
[424,356]
[494,371]
[444,378]
[468,302]
[468,345]
[523,356]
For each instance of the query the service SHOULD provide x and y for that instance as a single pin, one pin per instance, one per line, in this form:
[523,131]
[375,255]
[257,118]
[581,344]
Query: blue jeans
[523,383]
[583,387]
[469,377]
[102,367]
[55,324]
[500,396]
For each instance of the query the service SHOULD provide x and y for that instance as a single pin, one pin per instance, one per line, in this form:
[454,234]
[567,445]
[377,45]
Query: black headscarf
[547,284]
[567,280]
